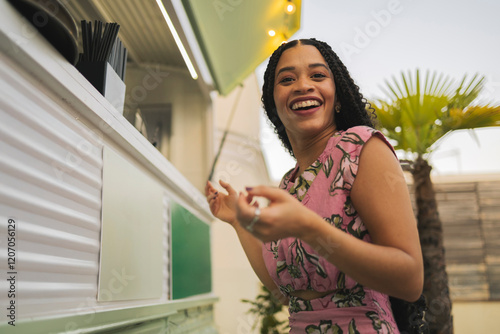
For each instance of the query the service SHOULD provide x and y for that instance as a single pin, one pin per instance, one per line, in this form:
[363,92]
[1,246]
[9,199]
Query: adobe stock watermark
[151,80]
[364,35]
[76,155]
[326,246]
[115,286]
[247,153]
[491,90]
[250,323]
[230,169]
[246,324]
[85,149]
[221,7]
[393,180]
[28,32]
[39,19]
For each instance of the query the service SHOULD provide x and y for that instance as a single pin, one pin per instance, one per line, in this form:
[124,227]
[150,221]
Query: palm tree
[417,118]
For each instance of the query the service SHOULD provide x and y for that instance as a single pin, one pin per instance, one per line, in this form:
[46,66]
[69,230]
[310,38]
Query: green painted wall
[191,266]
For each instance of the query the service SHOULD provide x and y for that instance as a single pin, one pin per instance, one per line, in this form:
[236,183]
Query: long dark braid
[354,107]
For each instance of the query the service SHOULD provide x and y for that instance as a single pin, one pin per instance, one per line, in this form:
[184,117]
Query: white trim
[192,42]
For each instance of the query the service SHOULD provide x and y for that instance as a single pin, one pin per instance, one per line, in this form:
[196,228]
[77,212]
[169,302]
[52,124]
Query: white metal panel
[132,250]
[50,184]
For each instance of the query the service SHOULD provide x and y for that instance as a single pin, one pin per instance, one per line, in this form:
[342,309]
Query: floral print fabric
[324,187]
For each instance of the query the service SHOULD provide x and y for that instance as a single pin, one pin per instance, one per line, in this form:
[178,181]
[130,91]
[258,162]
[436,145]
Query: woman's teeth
[305,104]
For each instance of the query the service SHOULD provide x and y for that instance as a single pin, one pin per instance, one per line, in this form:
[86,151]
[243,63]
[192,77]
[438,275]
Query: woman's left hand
[284,217]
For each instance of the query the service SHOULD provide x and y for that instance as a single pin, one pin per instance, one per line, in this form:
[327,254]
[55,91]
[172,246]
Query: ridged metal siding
[50,184]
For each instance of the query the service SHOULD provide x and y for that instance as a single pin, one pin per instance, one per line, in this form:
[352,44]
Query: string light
[290,7]
[271,33]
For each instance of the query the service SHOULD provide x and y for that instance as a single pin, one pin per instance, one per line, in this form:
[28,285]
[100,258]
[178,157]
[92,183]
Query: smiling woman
[339,237]
[304,94]
[346,92]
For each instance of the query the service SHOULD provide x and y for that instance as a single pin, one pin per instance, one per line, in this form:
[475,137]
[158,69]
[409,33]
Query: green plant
[266,307]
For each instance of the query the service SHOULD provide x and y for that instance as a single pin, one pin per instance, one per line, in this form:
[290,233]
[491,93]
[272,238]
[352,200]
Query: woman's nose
[303,85]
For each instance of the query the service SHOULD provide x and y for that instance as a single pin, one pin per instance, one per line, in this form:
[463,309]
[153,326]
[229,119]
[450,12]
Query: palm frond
[417,118]
[472,118]
[467,92]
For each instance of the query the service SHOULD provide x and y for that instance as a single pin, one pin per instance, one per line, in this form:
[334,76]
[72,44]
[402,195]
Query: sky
[378,39]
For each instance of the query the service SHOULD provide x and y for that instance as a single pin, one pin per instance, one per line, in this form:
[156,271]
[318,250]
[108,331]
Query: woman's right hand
[222,206]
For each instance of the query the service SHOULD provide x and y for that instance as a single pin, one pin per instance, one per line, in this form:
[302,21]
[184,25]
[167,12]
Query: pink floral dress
[325,188]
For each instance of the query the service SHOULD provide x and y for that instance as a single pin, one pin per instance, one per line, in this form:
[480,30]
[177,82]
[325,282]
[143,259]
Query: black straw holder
[104,78]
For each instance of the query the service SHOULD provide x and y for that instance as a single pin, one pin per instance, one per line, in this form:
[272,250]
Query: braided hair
[354,107]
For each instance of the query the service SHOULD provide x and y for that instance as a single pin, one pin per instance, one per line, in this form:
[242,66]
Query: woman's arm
[392,264]
[253,250]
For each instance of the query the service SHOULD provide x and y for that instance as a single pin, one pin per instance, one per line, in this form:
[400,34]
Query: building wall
[476,317]
[241,163]
[189,146]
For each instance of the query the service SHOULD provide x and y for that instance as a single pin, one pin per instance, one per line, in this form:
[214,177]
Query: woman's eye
[285,80]
[319,75]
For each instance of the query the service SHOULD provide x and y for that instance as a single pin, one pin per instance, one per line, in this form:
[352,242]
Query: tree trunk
[430,229]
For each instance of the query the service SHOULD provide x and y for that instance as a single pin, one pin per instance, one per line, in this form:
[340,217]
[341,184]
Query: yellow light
[271,33]
[290,8]
[178,41]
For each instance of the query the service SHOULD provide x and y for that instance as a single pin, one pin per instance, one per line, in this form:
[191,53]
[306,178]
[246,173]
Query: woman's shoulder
[356,135]
[359,135]
[361,130]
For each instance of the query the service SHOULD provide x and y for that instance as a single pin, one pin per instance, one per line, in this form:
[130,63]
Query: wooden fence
[470,213]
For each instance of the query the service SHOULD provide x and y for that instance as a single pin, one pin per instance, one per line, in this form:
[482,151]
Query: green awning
[234,34]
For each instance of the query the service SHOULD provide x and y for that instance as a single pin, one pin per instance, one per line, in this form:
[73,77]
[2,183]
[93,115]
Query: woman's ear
[337,108]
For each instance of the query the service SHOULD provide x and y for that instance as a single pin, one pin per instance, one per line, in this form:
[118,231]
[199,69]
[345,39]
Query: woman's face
[304,92]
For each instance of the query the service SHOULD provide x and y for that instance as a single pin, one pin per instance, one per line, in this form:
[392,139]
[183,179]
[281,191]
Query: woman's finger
[249,199]
[209,188]
[242,203]
[248,214]
[212,196]
[271,193]
[228,187]
[210,191]
[246,211]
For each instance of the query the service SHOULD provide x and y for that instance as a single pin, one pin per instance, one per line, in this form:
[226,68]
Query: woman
[340,234]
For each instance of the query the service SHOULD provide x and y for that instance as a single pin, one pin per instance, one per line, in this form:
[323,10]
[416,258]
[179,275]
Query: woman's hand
[284,217]
[222,206]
